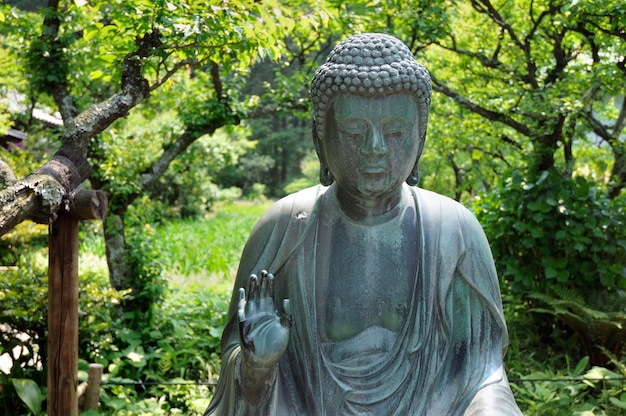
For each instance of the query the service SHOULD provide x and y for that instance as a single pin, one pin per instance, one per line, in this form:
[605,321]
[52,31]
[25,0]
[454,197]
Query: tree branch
[485,7]
[621,119]
[7,178]
[590,38]
[190,135]
[509,140]
[489,62]
[458,178]
[40,195]
[59,91]
[22,200]
[170,72]
[159,167]
[475,108]
[134,89]
[599,128]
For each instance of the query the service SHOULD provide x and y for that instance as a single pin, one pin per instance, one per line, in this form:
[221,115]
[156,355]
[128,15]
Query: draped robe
[446,359]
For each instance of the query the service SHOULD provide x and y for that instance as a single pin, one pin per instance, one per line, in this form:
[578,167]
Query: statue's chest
[365,280]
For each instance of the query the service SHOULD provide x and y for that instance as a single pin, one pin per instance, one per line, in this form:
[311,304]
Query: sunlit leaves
[548,229]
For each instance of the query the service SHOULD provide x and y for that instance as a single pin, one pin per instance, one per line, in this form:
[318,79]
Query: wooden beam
[88,205]
[63,317]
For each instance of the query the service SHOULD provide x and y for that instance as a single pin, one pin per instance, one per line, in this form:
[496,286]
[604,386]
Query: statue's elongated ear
[326,178]
[414,176]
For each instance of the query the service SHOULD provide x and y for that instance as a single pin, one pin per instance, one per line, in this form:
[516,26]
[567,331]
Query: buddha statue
[366,295]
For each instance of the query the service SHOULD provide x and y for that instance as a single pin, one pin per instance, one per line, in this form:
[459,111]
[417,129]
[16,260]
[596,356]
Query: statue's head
[368,65]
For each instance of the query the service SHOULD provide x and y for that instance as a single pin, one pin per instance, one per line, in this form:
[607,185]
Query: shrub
[181,346]
[548,233]
[23,313]
[552,230]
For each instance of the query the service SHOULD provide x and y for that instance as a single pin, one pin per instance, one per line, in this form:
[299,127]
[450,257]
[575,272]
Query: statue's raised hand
[263,332]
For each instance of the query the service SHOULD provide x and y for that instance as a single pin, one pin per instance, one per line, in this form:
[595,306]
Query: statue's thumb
[285,319]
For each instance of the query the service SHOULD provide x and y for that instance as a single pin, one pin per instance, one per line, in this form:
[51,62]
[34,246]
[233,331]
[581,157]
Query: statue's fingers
[264,303]
[264,284]
[253,287]
[253,295]
[270,286]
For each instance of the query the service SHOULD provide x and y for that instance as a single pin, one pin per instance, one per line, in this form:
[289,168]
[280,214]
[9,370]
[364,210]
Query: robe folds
[446,359]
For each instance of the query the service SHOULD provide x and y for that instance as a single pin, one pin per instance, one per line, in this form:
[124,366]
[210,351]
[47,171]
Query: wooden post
[63,317]
[63,302]
[92,395]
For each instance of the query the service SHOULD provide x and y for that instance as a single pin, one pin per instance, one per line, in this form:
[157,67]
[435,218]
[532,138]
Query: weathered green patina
[388,293]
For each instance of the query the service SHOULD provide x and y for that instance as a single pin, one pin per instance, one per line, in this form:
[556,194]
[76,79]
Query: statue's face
[374,145]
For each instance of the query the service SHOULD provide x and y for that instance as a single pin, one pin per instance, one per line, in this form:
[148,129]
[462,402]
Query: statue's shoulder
[437,207]
[293,208]
[432,200]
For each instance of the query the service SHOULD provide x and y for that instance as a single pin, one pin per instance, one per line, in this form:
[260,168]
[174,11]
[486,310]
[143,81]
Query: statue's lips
[374,169]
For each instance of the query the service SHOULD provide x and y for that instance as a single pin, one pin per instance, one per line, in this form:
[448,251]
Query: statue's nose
[374,143]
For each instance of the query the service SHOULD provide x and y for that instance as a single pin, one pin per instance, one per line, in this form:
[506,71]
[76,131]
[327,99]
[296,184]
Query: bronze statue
[379,298]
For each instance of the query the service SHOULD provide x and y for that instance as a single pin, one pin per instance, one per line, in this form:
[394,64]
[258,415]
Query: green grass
[207,249]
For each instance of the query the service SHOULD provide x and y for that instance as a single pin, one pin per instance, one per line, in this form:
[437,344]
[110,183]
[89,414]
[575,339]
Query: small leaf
[29,392]
[617,402]
[96,74]
[90,32]
[580,367]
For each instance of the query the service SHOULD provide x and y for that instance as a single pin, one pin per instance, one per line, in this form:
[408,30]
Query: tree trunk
[618,172]
[115,241]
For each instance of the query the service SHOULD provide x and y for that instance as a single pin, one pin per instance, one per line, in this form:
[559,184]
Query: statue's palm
[263,333]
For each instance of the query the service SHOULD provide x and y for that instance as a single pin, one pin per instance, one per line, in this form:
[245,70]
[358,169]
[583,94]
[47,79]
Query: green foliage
[286,140]
[550,230]
[598,327]
[129,148]
[182,343]
[190,247]
[547,397]
[583,391]
[30,393]
[181,346]
[29,234]
[176,339]
[23,314]
[147,285]
[202,110]
[559,245]
[47,62]
[189,186]
[98,307]
[309,168]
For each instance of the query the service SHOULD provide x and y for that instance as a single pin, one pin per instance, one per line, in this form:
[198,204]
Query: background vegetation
[527,129]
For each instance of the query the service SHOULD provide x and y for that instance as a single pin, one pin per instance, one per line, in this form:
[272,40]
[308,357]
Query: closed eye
[395,134]
[353,128]
[395,127]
